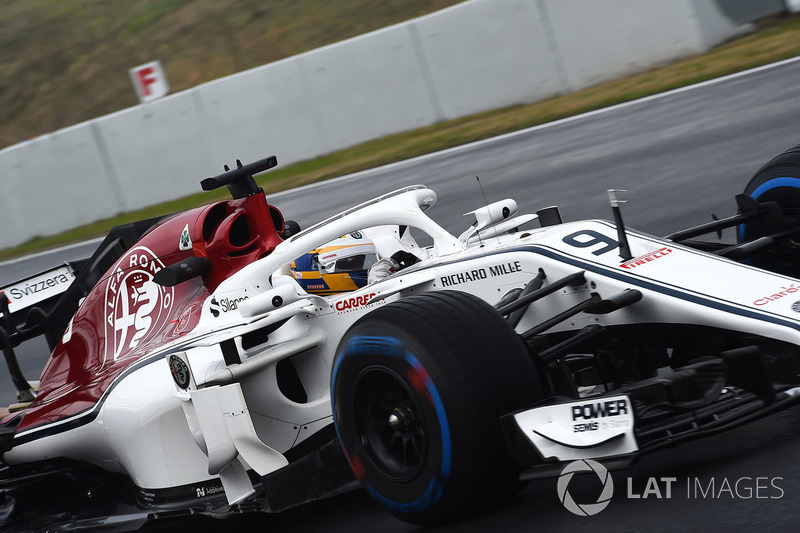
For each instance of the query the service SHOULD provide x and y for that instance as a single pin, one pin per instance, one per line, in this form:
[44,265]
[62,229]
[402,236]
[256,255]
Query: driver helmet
[338,266]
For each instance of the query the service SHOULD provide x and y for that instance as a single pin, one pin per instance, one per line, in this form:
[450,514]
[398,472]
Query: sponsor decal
[356,234]
[315,286]
[354,302]
[796,307]
[298,274]
[136,307]
[17,293]
[585,415]
[463,277]
[576,423]
[180,371]
[185,242]
[225,305]
[34,290]
[646,258]
[480,273]
[585,509]
[592,410]
[505,269]
[209,491]
[785,291]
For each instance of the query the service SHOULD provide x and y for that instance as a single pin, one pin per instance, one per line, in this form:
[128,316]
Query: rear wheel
[418,388]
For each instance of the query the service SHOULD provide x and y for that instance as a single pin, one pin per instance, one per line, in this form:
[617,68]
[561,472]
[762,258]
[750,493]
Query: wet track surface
[766,449]
[681,157]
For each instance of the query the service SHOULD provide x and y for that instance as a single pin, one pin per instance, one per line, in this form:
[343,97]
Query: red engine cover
[126,316]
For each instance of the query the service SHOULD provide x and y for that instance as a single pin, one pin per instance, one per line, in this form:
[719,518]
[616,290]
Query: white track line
[474,144]
[51,251]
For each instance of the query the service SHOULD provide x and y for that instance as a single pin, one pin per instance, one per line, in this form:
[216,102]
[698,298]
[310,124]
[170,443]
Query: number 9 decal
[591,238]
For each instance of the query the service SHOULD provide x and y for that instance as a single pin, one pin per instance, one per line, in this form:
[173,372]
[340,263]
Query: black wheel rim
[390,423]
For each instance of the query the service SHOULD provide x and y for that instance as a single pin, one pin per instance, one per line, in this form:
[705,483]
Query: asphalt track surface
[681,156]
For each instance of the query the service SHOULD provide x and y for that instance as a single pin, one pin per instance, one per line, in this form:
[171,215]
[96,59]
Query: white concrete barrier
[488,54]
[56,182]
[598,46]
[271,109]
[367,87]
[159,150]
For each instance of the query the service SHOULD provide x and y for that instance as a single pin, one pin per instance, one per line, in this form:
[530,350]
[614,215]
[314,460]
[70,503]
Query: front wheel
[777,181]
[418,388]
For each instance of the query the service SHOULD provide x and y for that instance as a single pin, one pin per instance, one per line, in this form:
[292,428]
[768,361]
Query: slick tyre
[777,181]
[418,387]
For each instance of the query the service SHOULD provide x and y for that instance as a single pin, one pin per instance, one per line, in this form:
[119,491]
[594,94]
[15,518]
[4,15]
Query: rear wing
[16,300]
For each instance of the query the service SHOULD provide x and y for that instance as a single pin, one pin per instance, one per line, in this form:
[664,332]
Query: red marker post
[149,81]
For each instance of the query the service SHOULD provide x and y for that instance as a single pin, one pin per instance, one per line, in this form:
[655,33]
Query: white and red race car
[192,373]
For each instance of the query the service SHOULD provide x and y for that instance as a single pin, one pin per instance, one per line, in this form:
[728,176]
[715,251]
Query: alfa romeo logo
[585,509]
[180,371]
[136,307]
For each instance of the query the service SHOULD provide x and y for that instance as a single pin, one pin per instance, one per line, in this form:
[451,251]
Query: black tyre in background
[777,181]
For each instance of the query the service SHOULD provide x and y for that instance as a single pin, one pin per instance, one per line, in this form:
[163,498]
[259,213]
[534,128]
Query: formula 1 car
[193,373]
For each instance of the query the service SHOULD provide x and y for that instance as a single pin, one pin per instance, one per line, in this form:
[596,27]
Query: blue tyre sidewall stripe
[393,347]
[775,183]
[768,185]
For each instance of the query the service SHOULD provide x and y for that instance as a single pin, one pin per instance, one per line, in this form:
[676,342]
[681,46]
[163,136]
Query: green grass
[66,61]
[775,40]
